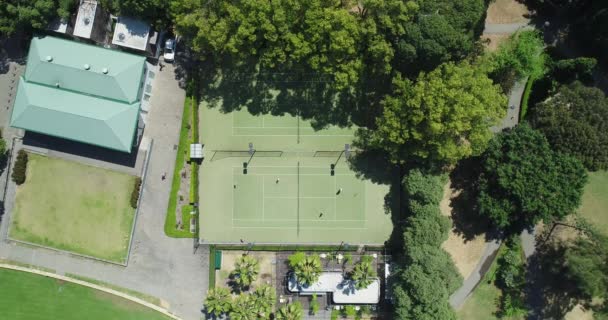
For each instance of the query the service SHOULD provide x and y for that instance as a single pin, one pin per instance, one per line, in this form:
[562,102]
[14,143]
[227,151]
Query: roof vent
[87,20]
[121,36]
[49,58]
[87,66]
[105,70]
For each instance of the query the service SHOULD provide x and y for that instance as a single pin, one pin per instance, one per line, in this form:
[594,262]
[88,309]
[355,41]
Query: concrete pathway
[506,28]
[512,117]
[158,266]
[458,298]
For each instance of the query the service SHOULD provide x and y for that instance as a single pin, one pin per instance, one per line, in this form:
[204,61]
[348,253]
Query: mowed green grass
[26,296]
[595,200]
[74,207]
[483,302]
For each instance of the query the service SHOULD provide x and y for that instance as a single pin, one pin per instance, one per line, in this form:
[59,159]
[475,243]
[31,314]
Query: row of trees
[27,14]
[258,304]
[427,275]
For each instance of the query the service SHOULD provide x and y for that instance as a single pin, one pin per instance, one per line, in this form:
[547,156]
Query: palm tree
[218,301]
[308,270]
[363,274]
[291,311]
[243,308]
[246,270]
[264,299]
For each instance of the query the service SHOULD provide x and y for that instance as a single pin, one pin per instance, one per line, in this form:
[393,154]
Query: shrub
[296,258]
[135,192]
[314,305]
[20,168]
[526,98]
[349,311]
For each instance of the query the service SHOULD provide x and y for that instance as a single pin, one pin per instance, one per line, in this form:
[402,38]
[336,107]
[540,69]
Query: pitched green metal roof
[74,116]
[58,96]
[67,68]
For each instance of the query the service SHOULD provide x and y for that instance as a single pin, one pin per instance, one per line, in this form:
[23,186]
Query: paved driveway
[159,266]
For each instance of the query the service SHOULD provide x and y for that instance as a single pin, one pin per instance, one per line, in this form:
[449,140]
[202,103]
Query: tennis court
[268,179]
[300,197]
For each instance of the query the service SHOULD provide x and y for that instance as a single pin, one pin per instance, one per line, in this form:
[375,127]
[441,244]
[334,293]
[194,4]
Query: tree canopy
[428,276]
[586,265]
[575,121]
[443,117]
[523,180]
[28,14]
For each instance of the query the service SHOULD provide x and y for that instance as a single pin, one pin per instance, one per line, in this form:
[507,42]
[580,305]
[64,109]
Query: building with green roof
[80,92]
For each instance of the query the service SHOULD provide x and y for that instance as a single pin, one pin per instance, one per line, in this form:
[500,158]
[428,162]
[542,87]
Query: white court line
[306,228]
[335,198]
[263,197]
[341,220]
[273,197]
[292,135]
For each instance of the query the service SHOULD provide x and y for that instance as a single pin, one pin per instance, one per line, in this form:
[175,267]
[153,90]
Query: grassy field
[26,296]
[74,207]
[483,302]
[595,200]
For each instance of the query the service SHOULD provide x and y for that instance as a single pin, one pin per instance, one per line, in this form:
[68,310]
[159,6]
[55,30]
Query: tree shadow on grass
[550,293]
[374,165]
[466,219]
[232,85]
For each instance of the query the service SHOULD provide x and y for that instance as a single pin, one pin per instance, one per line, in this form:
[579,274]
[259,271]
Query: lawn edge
[184,139]
[92,286]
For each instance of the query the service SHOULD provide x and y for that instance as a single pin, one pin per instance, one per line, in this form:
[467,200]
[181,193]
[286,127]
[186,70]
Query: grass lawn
[74,207]
[483,302]
[26,296]
[595,200]
[180,160]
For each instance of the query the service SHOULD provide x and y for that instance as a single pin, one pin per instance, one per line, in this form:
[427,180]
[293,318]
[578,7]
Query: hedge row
[135,192]
[20,168]
[526,98]
[427,275]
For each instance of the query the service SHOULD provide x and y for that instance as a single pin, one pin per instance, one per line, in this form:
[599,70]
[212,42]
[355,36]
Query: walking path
[458,298]
[159,266]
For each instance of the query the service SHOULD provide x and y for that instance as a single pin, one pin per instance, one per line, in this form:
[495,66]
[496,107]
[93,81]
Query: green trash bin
[218,259]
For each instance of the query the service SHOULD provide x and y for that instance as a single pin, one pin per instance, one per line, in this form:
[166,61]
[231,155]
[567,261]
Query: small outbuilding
[342,290]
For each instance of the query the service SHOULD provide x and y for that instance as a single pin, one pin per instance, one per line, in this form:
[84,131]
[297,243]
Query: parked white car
[169,53]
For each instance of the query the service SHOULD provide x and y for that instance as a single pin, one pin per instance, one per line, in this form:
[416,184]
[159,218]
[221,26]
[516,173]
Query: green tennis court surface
[287,195]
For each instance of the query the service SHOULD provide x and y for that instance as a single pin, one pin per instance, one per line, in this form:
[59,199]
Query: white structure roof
[131,33]
[58,25]
[196,151]
[343,291]
[85,18]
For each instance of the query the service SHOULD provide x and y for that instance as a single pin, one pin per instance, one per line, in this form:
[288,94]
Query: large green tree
[523,180]
[442,31]
[308,270]
[575,121]
[264,298]
[292,311]
[363,274]
[28,14]
[246,270]
[443,117]
[218,301]
[428,275]
[586,264]
[316,35]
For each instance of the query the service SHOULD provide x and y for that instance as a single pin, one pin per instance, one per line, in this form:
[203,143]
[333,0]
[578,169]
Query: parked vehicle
[169,53]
